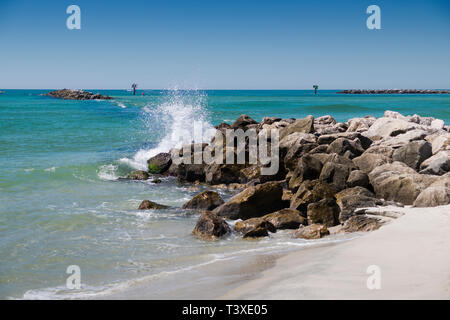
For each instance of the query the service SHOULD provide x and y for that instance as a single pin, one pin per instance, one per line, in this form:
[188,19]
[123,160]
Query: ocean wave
[108,172]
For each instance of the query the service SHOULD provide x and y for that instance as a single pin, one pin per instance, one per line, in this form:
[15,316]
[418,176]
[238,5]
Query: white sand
[412,252]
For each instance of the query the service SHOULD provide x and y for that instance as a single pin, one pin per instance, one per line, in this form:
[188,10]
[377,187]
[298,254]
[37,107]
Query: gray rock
[438,164]
[358,178]
[207,200]
[314,231]
[210,227]
[254,201]
[325,212]
[413,154]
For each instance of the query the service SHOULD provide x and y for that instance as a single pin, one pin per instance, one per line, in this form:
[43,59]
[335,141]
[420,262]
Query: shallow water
[61,203]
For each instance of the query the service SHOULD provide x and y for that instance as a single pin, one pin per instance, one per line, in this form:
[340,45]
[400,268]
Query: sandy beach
[412,253]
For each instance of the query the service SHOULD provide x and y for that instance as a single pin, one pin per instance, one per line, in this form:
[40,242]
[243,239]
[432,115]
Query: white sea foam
[108,172]
[175,118]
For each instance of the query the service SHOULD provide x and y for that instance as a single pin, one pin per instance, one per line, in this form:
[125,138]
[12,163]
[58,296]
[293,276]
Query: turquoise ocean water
[61,203]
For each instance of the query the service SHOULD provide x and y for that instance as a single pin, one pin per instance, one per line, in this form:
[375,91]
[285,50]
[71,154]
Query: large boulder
[248,225]
[294,146]
[159,163]
[305,125]
[398,182]
[285,219]
[190,172]
[210,227]
[360,124]
[150,205]
[439,141]
[253,174]
[437,194]
[325,212]
[329,138]
[243,122]
[223,173]
[313,231]
[402,138]
[358,178]
[207,200]
[438,164]
[413,154]
[362,223]
[386,127]
[337,170]
[346,147]
[260,230]
[374,157]
[254,201]
[308,167]
[349,200]
[310,192]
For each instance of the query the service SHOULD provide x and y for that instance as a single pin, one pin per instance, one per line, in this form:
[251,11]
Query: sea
[63,204]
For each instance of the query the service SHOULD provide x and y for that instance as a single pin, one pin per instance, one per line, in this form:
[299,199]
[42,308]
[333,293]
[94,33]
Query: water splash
[175,116]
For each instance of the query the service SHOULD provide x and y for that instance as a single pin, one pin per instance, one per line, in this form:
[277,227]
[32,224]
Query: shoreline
[412,253]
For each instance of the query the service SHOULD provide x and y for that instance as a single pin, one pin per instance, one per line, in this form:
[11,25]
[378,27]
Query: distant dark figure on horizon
[134,86]
[315,88]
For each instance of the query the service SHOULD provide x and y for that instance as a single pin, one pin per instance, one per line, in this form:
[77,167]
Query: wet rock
[438,164]
[358,178]
[314,231]
[325,212]
[139,175]
[285,219]
[362,223]
[210,227]
[413,154]
[147,205]
[159,163]
[254,201]
[190,172]
[248,225]
[261,230]
[223,173]
[207,200]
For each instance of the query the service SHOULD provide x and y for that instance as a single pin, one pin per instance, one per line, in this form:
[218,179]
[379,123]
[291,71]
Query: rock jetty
[329,174]
[394,91]
[67,94]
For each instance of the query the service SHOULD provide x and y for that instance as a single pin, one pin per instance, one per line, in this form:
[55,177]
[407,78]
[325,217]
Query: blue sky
[225,44]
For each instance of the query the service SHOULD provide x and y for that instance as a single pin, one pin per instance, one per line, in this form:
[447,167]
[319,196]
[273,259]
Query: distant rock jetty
[393,91]
[68,94]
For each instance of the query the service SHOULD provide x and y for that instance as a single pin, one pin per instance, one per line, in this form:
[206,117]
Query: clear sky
[225,44]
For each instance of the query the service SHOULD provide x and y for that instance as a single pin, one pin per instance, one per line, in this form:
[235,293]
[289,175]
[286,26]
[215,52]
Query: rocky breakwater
[394,91]
[67,94]
[328,174]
